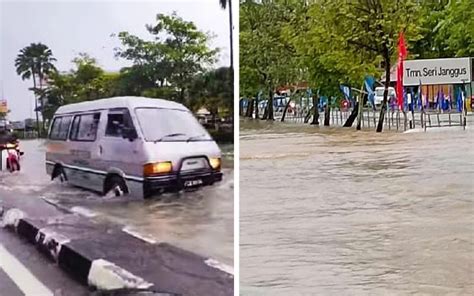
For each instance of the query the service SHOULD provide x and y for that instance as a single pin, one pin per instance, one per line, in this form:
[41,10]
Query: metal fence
[393,120]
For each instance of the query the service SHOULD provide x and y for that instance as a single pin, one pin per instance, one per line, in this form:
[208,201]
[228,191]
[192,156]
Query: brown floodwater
[333,211]
[201,221]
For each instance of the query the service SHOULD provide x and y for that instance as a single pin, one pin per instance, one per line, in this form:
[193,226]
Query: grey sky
[70,27]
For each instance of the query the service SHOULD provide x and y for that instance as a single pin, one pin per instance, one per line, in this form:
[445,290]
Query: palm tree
[35,61]
[224,4]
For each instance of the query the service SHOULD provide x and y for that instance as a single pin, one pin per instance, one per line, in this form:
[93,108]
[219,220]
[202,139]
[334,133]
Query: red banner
[402,53]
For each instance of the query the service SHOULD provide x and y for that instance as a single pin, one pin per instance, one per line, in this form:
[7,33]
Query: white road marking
[134,233]
[83,212]
[21,276]
[221,266]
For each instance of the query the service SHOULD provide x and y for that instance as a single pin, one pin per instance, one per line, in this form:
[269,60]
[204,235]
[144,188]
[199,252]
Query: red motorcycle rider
[9,151]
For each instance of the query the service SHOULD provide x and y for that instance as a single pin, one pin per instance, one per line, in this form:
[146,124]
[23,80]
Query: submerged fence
[393,120]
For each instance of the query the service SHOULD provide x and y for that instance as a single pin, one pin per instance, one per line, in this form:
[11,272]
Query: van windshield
[170,125]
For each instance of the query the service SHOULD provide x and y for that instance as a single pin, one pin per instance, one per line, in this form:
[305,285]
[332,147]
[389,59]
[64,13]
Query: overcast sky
[70,27]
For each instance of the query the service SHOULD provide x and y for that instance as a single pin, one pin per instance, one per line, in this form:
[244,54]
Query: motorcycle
[10,157]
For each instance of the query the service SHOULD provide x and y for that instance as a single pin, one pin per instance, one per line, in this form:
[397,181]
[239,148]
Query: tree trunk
[270,105]
[36,104]
[383,110]
[231,37]
[256,107]
[360,112]
[249,112]
[350,121]
[327,114]
[181,95]
[214,116]
[286,109]
[42,102]
[315,110]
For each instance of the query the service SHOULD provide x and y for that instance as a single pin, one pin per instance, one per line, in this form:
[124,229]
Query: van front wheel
[115,186]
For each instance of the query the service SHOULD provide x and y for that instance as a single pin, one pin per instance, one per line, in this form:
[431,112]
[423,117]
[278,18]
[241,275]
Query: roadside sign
[437,71]
[3,106]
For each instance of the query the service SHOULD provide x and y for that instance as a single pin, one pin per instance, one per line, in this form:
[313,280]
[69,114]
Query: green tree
[87,81]
[35,61]
[326,59]
[177,52]
[370,29]
[213,90]
[264,53]
[447,29]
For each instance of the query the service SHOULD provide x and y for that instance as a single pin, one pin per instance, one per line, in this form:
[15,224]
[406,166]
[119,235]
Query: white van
[379,95]
[131,145]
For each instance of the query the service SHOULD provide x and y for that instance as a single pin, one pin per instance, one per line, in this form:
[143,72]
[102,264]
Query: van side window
[75,127]
[54,133]
[116,121]
[84,127]
[60,128]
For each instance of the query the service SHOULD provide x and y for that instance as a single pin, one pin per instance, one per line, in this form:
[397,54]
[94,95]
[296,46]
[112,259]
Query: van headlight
[215,162]
[157,168]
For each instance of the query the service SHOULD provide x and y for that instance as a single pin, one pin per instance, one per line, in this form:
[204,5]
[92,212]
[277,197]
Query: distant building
[447,76]
[203,115]
[17,125]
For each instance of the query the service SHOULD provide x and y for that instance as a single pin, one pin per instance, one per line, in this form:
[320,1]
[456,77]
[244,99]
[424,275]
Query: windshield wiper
[169,136]
[193,138]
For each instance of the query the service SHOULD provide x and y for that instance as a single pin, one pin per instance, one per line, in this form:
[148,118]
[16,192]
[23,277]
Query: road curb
[92,270]
[98,273]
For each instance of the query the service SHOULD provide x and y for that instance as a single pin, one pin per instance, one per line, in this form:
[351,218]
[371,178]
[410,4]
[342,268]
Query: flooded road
[200,221]
[328,211]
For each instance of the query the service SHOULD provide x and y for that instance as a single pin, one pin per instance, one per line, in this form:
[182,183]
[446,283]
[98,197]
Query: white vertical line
[21,276]
[236,19]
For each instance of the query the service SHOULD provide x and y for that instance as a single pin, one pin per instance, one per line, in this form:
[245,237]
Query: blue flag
[439,100]
[459,101]
[369,82]
[420,97]
[346,91]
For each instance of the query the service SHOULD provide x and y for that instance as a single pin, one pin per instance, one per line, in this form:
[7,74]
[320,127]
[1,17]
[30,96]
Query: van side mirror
[129,133]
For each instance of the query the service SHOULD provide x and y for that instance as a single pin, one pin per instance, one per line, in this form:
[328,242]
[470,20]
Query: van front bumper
[176,182]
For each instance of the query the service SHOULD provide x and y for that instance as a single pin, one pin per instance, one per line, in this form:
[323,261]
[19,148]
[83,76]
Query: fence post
[398,119]
[405,119]
[390,115]
[425,120]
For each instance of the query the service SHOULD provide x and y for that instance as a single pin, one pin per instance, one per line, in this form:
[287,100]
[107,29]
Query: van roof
[119,102]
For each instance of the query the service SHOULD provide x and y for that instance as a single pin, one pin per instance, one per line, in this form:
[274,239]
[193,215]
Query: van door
[118,152]
[83,169]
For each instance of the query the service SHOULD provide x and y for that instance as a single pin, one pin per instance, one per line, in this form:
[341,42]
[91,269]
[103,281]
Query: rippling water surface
[339,212]
[200,221]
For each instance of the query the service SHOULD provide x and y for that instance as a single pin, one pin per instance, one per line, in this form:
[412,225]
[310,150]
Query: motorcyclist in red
[9,142]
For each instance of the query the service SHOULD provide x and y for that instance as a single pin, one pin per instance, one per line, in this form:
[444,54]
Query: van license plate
[192,183]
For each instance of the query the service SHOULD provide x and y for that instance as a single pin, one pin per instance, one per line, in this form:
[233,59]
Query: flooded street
[199,221]
[332,211]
